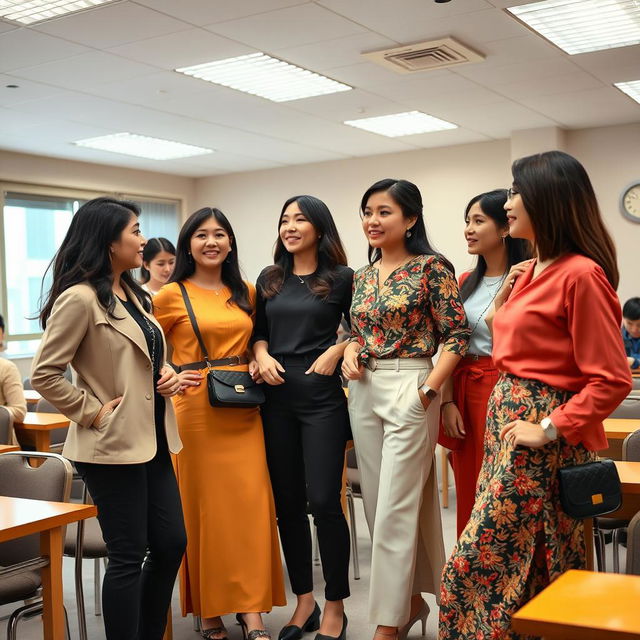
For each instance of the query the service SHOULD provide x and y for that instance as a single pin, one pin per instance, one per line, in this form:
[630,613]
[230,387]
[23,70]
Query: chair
[636,382]
[5,425]
[353,491]
[631,453]
[629,408]
[20,559]
[633,546]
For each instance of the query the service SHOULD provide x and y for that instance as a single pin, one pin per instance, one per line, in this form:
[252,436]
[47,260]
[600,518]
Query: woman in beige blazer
[98,318]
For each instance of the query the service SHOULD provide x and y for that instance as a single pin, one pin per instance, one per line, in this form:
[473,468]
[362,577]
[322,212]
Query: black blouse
[296,321]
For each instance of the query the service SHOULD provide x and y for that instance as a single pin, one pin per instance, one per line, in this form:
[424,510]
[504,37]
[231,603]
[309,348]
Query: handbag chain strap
[194,324]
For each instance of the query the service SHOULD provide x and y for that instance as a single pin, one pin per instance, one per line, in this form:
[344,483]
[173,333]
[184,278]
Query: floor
[356,607]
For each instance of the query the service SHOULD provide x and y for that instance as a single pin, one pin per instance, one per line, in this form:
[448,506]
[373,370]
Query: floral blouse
[417,308]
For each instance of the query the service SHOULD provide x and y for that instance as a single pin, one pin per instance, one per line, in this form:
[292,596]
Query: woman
[97,317]
[557,345]
[405,305]
[301,300]
[11,391]
[158,261]
[465,395]
[232,562]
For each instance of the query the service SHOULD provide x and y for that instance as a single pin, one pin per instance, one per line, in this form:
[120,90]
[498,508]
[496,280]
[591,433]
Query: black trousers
[140,514]
[306,425]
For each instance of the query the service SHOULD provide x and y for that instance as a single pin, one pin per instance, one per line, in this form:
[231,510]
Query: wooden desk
[5,448]
[31,396]
[40,425]
[21,517]
[584,605]
[616,430]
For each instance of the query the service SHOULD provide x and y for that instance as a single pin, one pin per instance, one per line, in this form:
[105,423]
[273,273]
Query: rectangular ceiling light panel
[632,89]
[580,26]
[42,10]
[131,144]
[402,124]
[264,76]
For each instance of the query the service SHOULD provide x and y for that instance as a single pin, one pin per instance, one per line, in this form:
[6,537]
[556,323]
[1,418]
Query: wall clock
[630,202]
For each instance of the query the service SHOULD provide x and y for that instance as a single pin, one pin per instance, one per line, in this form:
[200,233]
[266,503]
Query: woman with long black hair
[158,261]
[97,318]
[465,395]
[405,305]
[302,298]
[558,348]
[232,563]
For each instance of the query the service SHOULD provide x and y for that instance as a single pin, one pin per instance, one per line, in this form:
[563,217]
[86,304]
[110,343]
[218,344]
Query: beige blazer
[111,359]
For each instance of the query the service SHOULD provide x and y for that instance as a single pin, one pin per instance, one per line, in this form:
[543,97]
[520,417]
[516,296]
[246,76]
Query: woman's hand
[169,384]
[189,378]
[527,434]
[254,372]
[270,369]
[507,286]
[325,363]
[352,368]
[452,421]
[106,408]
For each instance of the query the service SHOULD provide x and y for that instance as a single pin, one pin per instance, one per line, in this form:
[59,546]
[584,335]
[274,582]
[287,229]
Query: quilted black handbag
[590,490]
[233,389]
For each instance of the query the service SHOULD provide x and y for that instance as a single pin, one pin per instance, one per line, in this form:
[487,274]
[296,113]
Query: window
[32,227]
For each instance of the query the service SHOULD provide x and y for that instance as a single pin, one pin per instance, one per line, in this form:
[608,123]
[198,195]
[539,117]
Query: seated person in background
[631,331]
[11,391]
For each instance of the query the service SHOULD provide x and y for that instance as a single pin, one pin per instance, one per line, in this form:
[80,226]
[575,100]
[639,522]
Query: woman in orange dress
[232,562]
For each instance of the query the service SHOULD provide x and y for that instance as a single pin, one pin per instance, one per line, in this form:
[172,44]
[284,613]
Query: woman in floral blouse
[405,305]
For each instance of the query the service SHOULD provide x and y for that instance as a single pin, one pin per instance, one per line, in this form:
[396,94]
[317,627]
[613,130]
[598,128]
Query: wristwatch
[549,428]
[428,391]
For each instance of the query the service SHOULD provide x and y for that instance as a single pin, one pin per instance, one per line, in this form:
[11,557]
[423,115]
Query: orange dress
[232,563]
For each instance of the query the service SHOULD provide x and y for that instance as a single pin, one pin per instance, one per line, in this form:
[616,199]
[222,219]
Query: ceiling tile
[6,26]
[25,48]
[290,27]
[112,25]
[26,91]
[566,83]
[182,49]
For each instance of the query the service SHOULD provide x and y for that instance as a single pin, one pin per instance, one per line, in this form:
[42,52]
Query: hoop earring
[408,233]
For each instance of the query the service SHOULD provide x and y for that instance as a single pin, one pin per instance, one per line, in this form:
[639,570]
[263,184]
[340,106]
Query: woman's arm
[13,392]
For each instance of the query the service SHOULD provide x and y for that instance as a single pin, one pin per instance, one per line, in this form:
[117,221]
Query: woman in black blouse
[301,301]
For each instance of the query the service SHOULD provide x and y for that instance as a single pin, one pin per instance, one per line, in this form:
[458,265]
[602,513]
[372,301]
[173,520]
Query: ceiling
[110,70]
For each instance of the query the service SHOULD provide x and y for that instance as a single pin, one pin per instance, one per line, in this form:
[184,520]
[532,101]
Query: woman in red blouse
[557,345]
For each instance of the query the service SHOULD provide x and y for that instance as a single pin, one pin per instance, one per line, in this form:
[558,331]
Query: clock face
[630,202]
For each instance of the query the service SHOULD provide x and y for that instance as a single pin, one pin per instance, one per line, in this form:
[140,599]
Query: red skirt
[473,382]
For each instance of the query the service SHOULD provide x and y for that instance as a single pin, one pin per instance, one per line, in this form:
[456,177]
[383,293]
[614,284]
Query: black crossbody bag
[232,389]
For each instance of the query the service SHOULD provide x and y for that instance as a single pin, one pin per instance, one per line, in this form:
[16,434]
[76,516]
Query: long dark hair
[231,276]
[492,205]
[330,250]
[153,247]
[84,256]
[564,212]
[408,197]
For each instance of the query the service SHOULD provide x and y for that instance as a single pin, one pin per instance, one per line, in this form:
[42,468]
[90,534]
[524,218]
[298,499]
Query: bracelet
[442,404]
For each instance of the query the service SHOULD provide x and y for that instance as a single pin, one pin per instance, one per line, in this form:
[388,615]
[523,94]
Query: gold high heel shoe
[422,614]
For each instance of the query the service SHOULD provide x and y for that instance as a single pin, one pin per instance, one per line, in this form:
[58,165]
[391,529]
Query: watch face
[630,202]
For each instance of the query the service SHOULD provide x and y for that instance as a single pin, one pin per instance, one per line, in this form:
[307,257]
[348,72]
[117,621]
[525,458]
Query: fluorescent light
[402,124]
[132,144]
[41,10]
[264,76]
[632,89]
[579,26]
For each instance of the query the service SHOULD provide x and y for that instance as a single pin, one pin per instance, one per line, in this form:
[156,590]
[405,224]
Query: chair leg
[197,625]
[66,623]
[354,534]
[316,546]
[97,587]
[600,547]
[28,611]
[616,550]
[82,614]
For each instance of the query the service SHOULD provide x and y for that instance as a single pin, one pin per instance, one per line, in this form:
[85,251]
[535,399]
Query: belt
[207,364]
[398,363]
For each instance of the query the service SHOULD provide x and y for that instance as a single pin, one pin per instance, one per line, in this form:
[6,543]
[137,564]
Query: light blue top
[479,304]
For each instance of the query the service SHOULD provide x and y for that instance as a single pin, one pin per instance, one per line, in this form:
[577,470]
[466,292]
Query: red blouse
[563,329]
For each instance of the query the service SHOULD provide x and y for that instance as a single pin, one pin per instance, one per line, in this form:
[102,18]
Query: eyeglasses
[511,192]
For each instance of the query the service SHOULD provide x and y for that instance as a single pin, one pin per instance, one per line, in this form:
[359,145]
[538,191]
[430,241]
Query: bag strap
[194,324]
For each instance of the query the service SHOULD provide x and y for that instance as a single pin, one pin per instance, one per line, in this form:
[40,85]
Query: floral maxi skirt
[518,539]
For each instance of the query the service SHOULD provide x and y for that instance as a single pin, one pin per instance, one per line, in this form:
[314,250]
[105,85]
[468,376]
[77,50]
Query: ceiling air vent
[423,56]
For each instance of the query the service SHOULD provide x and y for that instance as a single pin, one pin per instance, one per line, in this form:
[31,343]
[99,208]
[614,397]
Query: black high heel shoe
[343,632]
[254,634]
[294,632]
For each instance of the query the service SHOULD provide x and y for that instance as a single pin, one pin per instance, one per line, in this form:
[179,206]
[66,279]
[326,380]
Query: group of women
[531,348]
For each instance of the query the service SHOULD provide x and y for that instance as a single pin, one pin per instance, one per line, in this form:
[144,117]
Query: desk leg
[53,609]
[43,441]
[588,540]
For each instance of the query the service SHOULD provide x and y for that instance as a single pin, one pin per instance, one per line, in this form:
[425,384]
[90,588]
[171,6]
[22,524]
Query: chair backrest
[5,425]
[633,546]
[628,408]
[636,382]
[18,479]
[352,462]
[58,436]
[631,447]
[26,383]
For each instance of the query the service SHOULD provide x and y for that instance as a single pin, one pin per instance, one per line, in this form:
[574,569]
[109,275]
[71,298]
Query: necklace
[299,278]
[493,293]
[152,333]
